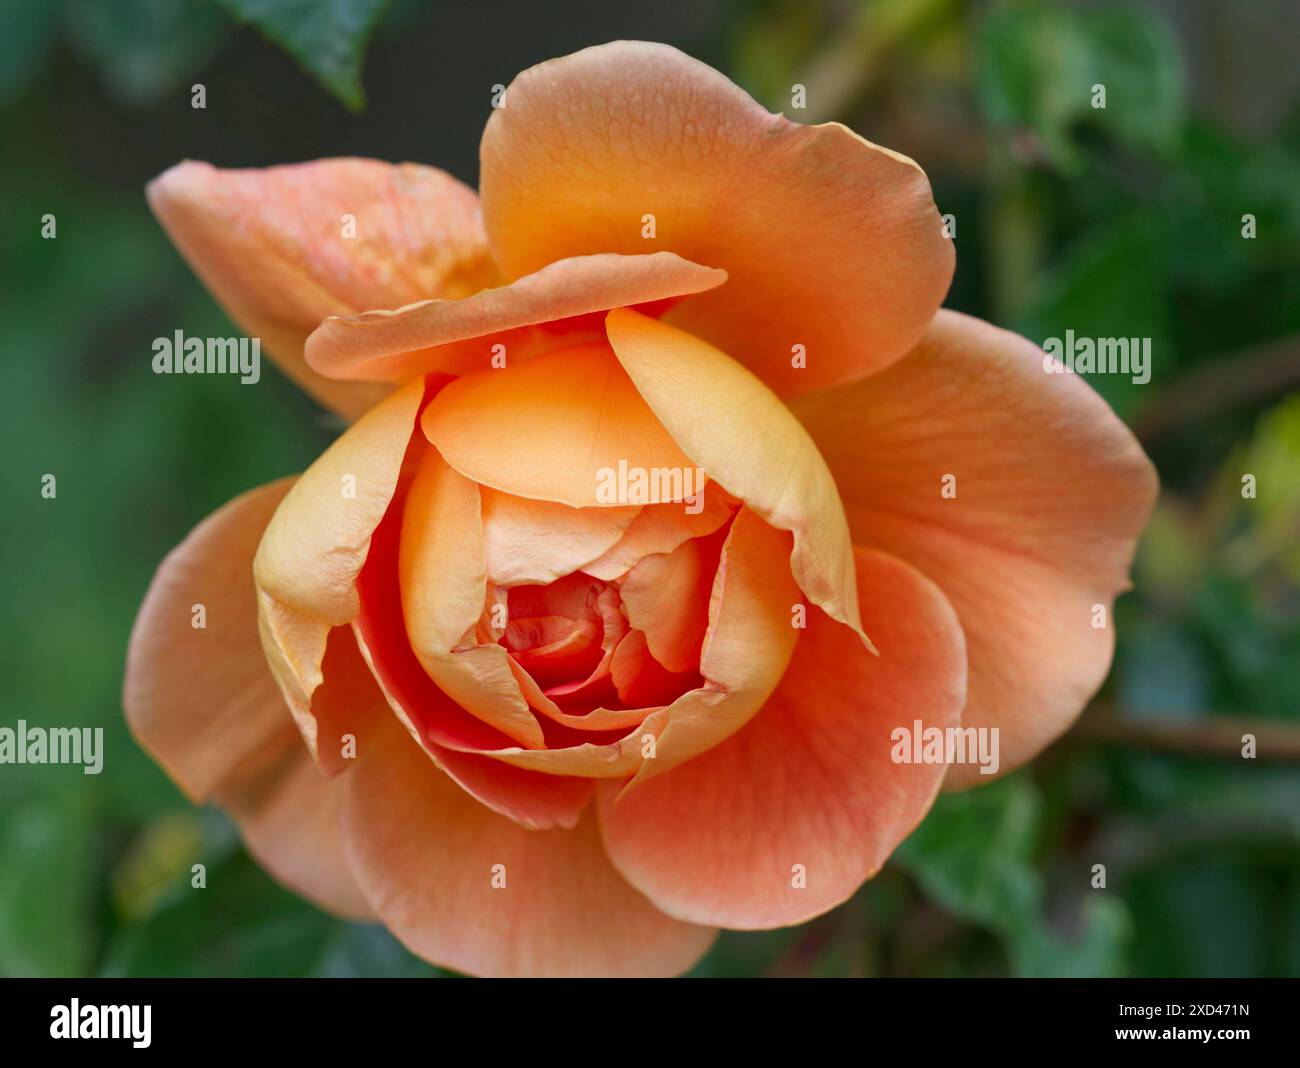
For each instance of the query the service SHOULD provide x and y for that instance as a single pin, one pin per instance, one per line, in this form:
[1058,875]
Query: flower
[563,712]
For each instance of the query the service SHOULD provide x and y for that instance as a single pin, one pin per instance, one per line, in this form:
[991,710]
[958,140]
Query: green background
[1125,221]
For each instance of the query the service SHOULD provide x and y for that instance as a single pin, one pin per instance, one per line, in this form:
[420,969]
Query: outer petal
[201,700]
[452,336]
[1052,492]
[289,819]
[830,242]
[427,854]
[745,439]
[808,786]
[204,705]
[272,247]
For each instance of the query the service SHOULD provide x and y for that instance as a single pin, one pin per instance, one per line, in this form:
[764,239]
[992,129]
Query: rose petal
[289,820]
[314,547]
[427,855]
[660,528]
[553,428]
[1051,493]
[746,648]
[808,787]
[202,702]
[830,242]
[535,542]
[666,597]
[458,336]
[745,439]
[272,246]
[443,579]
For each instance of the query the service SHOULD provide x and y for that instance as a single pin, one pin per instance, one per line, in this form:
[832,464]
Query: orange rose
[564,711]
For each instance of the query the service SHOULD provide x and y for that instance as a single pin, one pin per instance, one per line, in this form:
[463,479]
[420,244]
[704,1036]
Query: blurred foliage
[1122,221]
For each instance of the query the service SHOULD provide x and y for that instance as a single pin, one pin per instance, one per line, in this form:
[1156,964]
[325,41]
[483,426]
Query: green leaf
[973,854]
[45,884]
[27,30]
[328,37]
[145,49]
[1039,64]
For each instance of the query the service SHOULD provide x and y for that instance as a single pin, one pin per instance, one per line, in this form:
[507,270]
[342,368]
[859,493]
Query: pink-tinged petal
[427,855]
[553,428]
[747,645]
[829,241]
[205,706]
[660,528]
[535,542]
[641,680]
[289,819]
[745,439]
[1051,493]
[451,736]
[200,699]
[459,336]
[443,579]
[666,597]
[749,642]
[806,801]
[273,246]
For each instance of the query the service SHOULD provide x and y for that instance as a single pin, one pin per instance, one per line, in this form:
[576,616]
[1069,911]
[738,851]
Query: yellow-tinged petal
[443,579]
[745,439]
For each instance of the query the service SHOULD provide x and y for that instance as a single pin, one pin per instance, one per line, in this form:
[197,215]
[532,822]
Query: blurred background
[1117,222]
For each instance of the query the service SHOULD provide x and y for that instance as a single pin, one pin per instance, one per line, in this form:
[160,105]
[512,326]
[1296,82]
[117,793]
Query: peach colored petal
[271,245]
[289,819]
[660,528]
[1051,493]
[548,428]
[317,542]
[829,241]
[427,855]
[458,336]
[535,542]
[203,704]
[201,700]
[443,579]
[313,549]
[746,440]
[749,642]
[641,680]
[746,648]
[807,791]
[451,736]
[666,597]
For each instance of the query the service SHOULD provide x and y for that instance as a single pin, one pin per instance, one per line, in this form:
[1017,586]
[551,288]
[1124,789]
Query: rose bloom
[491,672]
